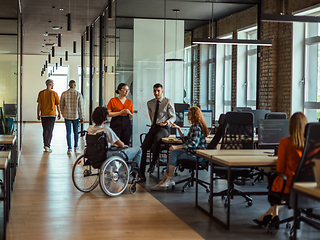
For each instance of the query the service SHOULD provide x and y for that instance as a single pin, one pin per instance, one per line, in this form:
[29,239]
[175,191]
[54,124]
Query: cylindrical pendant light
[41,73]
[87,34]
[49,58]
[69,22]
[46,64]
[110,10]
[66,55]
[52,52]
[60,62]
[74,46]
[53,69]
[59,40]
[56,65]
[44,67]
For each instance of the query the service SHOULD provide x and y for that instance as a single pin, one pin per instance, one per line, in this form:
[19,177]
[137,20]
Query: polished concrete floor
[46,205]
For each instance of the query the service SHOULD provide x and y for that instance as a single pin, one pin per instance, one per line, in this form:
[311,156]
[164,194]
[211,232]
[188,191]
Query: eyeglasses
[125,89]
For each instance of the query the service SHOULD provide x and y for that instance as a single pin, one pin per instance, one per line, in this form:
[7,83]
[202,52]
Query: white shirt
[111,136]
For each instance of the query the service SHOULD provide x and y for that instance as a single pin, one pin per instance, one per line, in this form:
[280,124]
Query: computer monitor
[257,114]
[10,109]
[207,115]
[272,130]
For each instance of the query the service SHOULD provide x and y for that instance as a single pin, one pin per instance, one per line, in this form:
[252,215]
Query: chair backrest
[219,133]
[276,115]
[304,172]
[238,132]
[96,149]
[179,109]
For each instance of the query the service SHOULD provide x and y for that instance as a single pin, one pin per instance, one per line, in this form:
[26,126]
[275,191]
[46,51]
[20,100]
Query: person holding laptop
[196,139]
[289,155]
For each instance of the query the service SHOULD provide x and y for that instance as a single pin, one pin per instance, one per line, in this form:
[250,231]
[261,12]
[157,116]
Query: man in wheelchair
[116,146]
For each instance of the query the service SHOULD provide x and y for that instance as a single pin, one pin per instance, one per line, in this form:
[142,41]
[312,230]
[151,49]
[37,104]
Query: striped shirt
[71,104]
[194,139]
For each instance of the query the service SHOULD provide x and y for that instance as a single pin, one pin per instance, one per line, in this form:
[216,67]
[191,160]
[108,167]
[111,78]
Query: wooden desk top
[238,158]
[8,139]
[3,163]
[5,154]
[308,188]
[173,140]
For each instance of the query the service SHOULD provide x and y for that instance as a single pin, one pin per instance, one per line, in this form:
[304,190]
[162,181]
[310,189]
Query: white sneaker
[168,183]
[69,151]
[47,149]
[76,149]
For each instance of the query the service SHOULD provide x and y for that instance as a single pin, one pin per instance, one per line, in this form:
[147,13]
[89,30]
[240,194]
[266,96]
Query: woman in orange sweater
[289,155]
[120,109]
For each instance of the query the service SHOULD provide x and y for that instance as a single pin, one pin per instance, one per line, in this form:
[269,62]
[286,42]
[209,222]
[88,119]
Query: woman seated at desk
[196,139]
[289,155]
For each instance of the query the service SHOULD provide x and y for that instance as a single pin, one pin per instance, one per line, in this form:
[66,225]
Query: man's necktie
[156,114]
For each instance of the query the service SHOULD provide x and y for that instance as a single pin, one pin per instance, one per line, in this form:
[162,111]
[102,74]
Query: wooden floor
[46,205]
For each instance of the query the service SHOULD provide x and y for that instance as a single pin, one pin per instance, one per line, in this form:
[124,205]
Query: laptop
[184,130]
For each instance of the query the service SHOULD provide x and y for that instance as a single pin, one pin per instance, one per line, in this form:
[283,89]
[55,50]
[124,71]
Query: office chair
[203,165]
[276,115]
[304,173]
[238,134]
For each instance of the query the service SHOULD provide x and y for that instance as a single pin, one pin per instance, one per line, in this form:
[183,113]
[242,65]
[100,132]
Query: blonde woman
[289,155]
[196,139]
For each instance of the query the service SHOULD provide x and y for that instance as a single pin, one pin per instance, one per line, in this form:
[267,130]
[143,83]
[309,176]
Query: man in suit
[162,114]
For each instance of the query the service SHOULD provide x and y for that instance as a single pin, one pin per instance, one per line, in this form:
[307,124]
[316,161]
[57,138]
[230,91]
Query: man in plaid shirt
[72,109]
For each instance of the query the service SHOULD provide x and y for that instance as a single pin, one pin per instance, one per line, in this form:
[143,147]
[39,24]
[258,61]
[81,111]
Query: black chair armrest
[272,176]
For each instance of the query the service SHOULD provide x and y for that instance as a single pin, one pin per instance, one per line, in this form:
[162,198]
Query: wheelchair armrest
[113,148]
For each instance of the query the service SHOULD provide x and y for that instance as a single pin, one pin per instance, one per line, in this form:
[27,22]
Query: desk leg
[229,198]
[211,189]
[295,215]
[197,163]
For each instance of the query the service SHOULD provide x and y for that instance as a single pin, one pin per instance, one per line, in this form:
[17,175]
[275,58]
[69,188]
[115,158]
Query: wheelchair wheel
[85,178]
[114,176]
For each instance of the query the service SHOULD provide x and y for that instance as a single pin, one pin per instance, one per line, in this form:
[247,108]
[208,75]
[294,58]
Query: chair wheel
[222,197]
[288,226]
[269,231]
[207,190]
[253,183]
[133,188]
[249,203]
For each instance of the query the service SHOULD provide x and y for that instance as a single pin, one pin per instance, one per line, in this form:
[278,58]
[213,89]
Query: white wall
[32,82]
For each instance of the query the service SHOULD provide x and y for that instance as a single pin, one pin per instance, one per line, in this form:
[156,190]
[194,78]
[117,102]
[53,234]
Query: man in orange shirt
[48,102]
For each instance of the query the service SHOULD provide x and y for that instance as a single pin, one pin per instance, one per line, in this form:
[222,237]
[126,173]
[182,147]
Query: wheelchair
[113,173]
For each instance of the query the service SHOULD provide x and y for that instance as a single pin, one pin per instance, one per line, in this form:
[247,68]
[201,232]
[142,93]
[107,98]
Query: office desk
[228,159]
[310,190]
[172,140]
[5,188]
[10,144]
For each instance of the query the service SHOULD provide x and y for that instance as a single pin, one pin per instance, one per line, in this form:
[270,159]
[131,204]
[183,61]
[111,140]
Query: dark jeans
[75,124]
[121,125]
[47,126]
[153,137]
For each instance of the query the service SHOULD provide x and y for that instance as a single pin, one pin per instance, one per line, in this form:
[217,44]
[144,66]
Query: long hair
[196,117]
[297,124]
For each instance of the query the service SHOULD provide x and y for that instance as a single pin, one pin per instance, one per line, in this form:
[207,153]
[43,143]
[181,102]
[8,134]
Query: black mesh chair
[304,173]
[238,134]
[276,115]
[203,165]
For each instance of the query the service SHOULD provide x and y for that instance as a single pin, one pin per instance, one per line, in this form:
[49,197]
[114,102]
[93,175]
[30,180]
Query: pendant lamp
[175,59]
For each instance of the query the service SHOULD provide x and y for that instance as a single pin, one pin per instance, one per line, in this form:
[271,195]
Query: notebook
[184,130]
